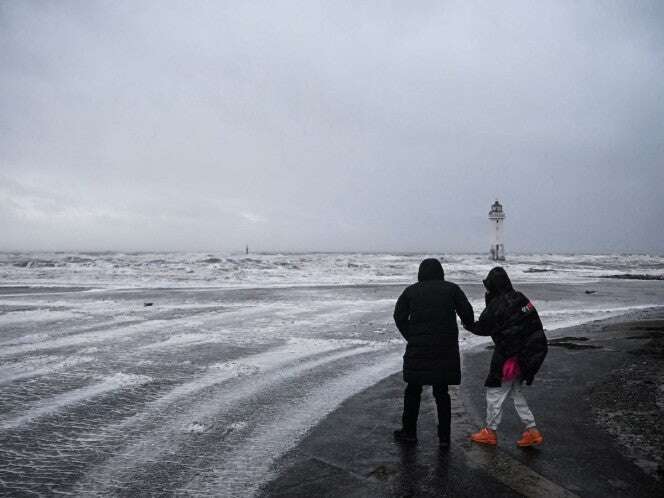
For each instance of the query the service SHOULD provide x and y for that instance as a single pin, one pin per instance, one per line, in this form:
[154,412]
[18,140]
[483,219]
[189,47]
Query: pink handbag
[511,369]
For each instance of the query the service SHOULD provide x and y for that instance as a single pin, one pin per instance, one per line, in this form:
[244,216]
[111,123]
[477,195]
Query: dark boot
[405,437]
[443,437]
[411,410]
[443,405]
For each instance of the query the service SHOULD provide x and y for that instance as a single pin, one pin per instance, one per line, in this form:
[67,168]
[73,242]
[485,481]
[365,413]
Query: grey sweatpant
[495,398]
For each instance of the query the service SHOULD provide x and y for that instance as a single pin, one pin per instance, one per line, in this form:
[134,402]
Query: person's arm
[402,313]
[463,308]
[486,325]
[501,316]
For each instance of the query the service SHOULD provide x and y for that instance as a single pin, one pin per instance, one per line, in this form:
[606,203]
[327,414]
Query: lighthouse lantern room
[496,219]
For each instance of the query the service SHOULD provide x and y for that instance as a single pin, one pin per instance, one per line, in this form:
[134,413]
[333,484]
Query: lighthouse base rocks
[497,252]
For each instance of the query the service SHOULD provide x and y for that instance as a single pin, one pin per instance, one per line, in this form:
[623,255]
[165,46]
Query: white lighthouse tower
[496,218]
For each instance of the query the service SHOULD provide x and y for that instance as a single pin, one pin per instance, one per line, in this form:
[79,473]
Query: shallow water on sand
[201,391]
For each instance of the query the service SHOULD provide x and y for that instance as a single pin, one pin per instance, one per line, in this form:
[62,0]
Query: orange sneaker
[531,437]
[485,436]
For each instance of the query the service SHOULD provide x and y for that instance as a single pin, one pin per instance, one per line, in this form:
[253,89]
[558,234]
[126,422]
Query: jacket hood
[430,269]
[497,281]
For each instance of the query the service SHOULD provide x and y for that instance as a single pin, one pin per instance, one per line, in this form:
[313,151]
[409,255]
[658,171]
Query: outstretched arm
[485,325]
[463,308]
[402,314]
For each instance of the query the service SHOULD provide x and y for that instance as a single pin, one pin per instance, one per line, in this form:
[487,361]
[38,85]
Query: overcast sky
[369,126]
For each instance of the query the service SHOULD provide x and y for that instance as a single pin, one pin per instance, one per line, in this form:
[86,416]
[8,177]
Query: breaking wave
[135,270]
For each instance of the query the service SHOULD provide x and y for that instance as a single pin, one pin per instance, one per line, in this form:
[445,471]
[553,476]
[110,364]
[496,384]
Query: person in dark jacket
[425,314]
[520,348]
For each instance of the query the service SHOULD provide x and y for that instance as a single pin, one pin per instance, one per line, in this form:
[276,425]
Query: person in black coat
[520,348]
[425,314]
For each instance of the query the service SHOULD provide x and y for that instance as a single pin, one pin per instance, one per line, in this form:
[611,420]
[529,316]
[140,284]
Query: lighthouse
[496,218]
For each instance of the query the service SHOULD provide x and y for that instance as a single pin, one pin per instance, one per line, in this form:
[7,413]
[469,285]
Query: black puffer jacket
[515,327]
[425,314]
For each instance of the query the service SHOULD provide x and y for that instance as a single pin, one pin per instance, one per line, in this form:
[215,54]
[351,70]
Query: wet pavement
[351,453]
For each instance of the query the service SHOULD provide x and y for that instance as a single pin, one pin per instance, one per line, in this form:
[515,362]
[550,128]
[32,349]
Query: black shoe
[444,437]
[402,436]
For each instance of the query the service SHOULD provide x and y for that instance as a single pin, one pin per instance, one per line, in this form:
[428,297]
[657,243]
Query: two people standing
[425,314]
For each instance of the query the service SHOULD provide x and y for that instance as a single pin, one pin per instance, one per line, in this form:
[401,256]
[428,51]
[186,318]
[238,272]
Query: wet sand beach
[597,400]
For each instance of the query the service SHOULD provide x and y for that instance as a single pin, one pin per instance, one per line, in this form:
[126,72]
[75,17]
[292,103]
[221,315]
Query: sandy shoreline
[597,405]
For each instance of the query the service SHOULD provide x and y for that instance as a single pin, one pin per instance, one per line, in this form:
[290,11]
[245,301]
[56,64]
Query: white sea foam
[40,366]
[48,406]
[242,471]
[271,361]
[35,315]
[270,270]
[167,435]
[568,317]
[183,339]
[86,338]
[117,331]
[25,339]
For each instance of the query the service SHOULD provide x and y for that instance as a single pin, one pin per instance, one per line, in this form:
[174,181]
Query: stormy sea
[192,373]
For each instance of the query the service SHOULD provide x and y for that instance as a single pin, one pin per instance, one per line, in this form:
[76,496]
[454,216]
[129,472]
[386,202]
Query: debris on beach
[571,343]
[195,427]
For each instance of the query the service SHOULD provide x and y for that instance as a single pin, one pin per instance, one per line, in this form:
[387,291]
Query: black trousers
[411,408]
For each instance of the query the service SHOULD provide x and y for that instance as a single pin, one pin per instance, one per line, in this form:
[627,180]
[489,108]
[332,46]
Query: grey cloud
[333,126]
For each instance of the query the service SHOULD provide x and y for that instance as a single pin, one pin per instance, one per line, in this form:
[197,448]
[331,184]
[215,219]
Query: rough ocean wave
[135,270]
